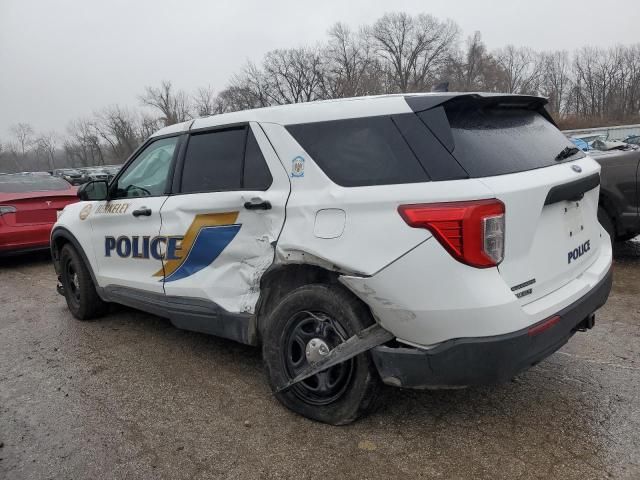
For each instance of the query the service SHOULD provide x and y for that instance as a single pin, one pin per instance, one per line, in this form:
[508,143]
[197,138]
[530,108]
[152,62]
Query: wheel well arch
[608,205]
[279,280]
[60,236]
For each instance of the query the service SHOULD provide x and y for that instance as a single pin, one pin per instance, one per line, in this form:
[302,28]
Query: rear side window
[359,152]
[213,161]
[499,140]
[224,160]
[256,172]
[31,183]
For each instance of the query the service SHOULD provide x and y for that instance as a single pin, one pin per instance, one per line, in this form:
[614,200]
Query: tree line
[399,53]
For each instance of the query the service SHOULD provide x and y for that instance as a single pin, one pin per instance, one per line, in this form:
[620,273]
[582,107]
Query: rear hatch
[511,145]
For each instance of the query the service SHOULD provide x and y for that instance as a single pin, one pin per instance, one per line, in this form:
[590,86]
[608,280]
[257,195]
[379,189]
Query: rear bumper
[487,360]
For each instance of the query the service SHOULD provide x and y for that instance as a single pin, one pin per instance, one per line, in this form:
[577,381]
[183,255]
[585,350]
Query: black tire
[342,393]
[607,223]
[79,291]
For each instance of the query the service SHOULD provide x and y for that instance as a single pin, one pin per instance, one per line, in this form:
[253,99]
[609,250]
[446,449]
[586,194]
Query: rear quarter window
[360,152]
[31,183]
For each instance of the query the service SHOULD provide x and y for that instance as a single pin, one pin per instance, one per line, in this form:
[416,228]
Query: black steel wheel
[79,290]
[71,282]
[315,334]
[304,326]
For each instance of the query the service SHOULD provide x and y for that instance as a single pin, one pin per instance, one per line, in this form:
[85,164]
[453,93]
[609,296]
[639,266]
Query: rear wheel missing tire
[79,291]
[306,325]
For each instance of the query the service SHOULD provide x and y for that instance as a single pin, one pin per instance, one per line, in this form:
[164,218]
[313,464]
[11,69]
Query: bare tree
[173,105]
[555,79]
[629,84]
[206,102]
[521,69]
[5,160]
[83,146]
[147,126]
[248,89]
[293,75]
[351,68]
[474,69]
[23,133]
[414,49]
[46,147]
[118,128]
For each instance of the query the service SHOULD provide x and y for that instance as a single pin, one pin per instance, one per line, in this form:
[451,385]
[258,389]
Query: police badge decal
[84,213]
[297,167]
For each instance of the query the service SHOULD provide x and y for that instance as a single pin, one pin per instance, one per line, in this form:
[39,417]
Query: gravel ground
[129,396]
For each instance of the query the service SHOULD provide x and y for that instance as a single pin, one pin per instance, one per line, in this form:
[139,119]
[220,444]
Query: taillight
[7,209]
[473,231]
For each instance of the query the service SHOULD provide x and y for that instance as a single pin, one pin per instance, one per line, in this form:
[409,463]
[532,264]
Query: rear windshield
[31,183]
[495,141]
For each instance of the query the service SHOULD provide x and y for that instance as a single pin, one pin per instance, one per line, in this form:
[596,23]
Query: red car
[29,203]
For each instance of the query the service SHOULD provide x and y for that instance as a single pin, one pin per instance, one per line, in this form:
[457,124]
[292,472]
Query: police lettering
[144,247]
[578,252]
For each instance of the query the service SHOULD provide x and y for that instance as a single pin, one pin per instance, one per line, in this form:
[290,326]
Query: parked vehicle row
[79,176]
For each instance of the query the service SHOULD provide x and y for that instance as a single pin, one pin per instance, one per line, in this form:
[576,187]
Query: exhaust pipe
[586,324]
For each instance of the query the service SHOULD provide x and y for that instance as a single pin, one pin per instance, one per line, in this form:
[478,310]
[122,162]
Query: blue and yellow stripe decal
[207,236]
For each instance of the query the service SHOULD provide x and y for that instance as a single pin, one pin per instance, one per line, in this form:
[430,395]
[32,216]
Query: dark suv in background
[619,210]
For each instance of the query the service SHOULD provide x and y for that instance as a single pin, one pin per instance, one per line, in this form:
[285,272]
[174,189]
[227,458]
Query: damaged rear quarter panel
[374,234]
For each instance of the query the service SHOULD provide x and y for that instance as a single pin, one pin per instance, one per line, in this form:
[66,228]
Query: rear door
[224,217]
[126,228]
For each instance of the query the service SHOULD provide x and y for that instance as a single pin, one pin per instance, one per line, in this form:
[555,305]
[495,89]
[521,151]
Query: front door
[126,228]
[225,217]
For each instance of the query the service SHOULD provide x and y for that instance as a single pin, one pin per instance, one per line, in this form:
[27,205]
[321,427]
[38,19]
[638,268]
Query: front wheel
[303,327]
[79,291]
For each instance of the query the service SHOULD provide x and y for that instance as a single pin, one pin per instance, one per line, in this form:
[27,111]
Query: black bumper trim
[486,360]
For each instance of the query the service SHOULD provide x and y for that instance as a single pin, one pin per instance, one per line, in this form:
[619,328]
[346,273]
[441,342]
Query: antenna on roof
[440,87]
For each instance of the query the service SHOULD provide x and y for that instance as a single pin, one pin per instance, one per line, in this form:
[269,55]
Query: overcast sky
[63,59]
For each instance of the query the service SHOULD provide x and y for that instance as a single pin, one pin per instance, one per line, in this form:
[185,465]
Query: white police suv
[428,240]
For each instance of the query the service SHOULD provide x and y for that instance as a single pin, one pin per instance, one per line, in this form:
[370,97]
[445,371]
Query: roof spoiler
[420,103]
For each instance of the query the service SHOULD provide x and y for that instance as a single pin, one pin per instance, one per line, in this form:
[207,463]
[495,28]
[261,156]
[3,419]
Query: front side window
[147,175]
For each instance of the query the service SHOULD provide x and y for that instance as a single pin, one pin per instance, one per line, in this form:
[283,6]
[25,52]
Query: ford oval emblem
[576,168]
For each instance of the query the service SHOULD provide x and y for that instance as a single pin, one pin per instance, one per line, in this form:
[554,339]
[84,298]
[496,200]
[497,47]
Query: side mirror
[96,190]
